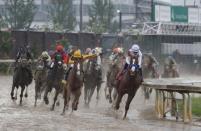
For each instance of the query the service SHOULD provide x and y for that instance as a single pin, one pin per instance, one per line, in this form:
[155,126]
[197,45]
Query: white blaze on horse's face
[133,68]
[59,62]
[78,69]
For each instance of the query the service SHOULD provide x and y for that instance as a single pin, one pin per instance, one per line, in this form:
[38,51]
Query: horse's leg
[26,93]
[55,99]
[91,94]
[16,92]
[65,100]
[85,94]
[45,98]
[98,89]
[114,94]
[76,99]
[110,94]
[21,95]
[12,92]
[36,95]
[119,97]
[129,99]
[106,95]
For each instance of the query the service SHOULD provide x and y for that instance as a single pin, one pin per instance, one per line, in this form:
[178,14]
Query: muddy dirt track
[99,117]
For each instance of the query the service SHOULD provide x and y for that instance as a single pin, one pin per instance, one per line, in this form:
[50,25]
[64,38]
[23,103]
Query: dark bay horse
[22,77]
[92,79]
[74,86]
[54,80]
[40,77]
[129,84]
[114,69]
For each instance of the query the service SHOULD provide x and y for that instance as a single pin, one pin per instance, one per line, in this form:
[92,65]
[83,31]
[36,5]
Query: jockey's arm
[140,59]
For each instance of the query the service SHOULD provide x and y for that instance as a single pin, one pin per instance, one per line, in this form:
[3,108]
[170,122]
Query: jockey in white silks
[136,54]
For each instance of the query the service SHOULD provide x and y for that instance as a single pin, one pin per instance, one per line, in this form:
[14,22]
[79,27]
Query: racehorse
[170,72]
[111,78]
[128,84]
[40,79]
[54,80]
[74,86]
[22,77]
[149,71]
[92,79]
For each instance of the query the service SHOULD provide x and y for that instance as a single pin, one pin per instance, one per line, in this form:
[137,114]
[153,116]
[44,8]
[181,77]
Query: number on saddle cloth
[134,67]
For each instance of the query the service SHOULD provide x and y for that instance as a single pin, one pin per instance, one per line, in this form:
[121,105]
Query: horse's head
[146,61]
[23,63]
[58,61]
[133,69]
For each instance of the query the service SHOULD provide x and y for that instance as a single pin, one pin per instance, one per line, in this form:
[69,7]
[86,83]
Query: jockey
[24,53]
[64,56]
[170,62]
[115,53]
[88,51]
[133,53]
[153,63]
[45,57]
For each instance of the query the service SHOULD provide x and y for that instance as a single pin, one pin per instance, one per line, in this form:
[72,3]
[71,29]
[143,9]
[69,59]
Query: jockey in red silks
[60,50]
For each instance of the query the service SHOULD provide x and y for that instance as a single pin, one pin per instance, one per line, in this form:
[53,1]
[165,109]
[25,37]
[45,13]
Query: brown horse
[150,70]
[73,87]
[129,84]
[111,78]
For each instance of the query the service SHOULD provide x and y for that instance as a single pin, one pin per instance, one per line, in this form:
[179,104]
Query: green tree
[101,16]
[19,14]
[61,14]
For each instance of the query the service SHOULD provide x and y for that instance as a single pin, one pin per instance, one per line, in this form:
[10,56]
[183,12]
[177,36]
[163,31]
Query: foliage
[196,106]
[61,15]
[19,14]
[101,15]
[5,44]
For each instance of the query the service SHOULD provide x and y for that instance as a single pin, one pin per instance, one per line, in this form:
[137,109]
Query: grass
[196,106]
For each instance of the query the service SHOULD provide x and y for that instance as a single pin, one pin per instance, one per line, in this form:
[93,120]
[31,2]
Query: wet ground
[99,117]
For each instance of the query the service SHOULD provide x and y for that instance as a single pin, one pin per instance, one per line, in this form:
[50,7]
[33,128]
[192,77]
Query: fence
[40,41]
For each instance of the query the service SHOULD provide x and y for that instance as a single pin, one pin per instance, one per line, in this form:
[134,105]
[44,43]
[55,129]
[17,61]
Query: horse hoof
[57,104]
[110,101]
[63,114]
[107,97]
[46,101]
[75,108]
[116,107]
[13,98]
[26,95]
[52,109]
